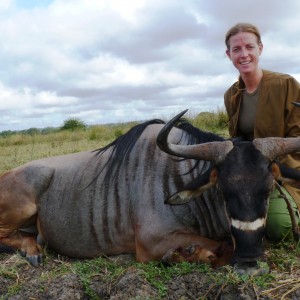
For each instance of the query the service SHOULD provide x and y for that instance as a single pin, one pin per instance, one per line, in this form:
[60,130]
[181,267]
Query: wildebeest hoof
[251,270]
[167,259]
[34,260]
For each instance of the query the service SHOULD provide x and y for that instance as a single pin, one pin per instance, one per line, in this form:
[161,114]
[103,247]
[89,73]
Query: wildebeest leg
[18,209]
[196,253]
[26,244]
[177,247]
[6,249]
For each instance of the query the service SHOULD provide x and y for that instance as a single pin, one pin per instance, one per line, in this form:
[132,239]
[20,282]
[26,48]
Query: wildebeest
[118,199]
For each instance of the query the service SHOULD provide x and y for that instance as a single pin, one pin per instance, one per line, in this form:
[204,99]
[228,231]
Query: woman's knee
[279,224]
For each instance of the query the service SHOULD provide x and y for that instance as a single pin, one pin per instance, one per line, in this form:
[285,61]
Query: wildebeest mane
[122,146]
[197,136]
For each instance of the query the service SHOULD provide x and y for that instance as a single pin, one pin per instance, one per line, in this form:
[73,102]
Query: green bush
[73,124]
[32,131]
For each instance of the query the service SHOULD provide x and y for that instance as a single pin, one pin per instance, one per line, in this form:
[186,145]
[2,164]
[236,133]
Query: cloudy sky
[109,61]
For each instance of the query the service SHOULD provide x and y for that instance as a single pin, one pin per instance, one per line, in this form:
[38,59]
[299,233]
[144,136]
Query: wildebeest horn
[273,147]
[213,151]
[296,103]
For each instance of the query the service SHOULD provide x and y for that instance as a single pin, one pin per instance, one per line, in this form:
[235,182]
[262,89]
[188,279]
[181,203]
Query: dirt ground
[56,280]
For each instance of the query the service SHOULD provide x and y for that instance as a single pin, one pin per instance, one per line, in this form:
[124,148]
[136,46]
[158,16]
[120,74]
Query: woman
[259,105]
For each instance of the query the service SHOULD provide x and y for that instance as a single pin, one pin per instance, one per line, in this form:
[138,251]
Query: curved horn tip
[178,116]
[161,139]
[296,103]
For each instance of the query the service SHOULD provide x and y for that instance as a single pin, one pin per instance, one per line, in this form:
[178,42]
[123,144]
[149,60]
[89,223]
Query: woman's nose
[244,52]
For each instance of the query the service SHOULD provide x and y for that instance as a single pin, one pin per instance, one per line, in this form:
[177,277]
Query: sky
[110,61]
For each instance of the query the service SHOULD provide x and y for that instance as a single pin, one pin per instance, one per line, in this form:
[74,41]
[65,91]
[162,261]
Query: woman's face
[244,52]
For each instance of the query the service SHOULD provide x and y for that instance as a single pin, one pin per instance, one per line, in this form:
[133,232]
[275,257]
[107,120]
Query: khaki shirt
[275,115]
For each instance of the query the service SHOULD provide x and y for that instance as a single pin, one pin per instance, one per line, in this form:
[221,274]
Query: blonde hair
[241,27]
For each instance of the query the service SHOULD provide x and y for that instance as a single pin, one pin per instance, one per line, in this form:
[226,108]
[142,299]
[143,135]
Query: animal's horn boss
[213,151]
[273,147]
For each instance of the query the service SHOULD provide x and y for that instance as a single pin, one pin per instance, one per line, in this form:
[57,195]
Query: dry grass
[284,260]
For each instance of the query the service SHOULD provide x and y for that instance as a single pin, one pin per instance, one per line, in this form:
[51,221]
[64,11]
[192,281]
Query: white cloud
[112,60]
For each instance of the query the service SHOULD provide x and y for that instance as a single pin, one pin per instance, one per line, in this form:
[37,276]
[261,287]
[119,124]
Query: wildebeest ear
[278,176]
[276,171]
[186,195]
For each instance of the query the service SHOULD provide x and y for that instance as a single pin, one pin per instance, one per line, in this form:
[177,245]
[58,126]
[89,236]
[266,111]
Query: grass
[19,149]
[100,269]
[283,279]
[158,275]
[213,122]
[10,269]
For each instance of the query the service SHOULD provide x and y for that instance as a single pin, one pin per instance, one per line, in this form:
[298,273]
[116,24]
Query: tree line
[69,124]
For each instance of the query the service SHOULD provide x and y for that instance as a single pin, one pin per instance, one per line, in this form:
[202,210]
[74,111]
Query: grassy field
[17,149]
[20,148]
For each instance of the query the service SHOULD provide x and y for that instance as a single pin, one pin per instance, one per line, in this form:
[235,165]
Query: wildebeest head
[245,173]
[245,178]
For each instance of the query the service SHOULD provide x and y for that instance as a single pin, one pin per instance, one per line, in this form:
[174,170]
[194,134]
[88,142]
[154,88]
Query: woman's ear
[260,46]
[228,54]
